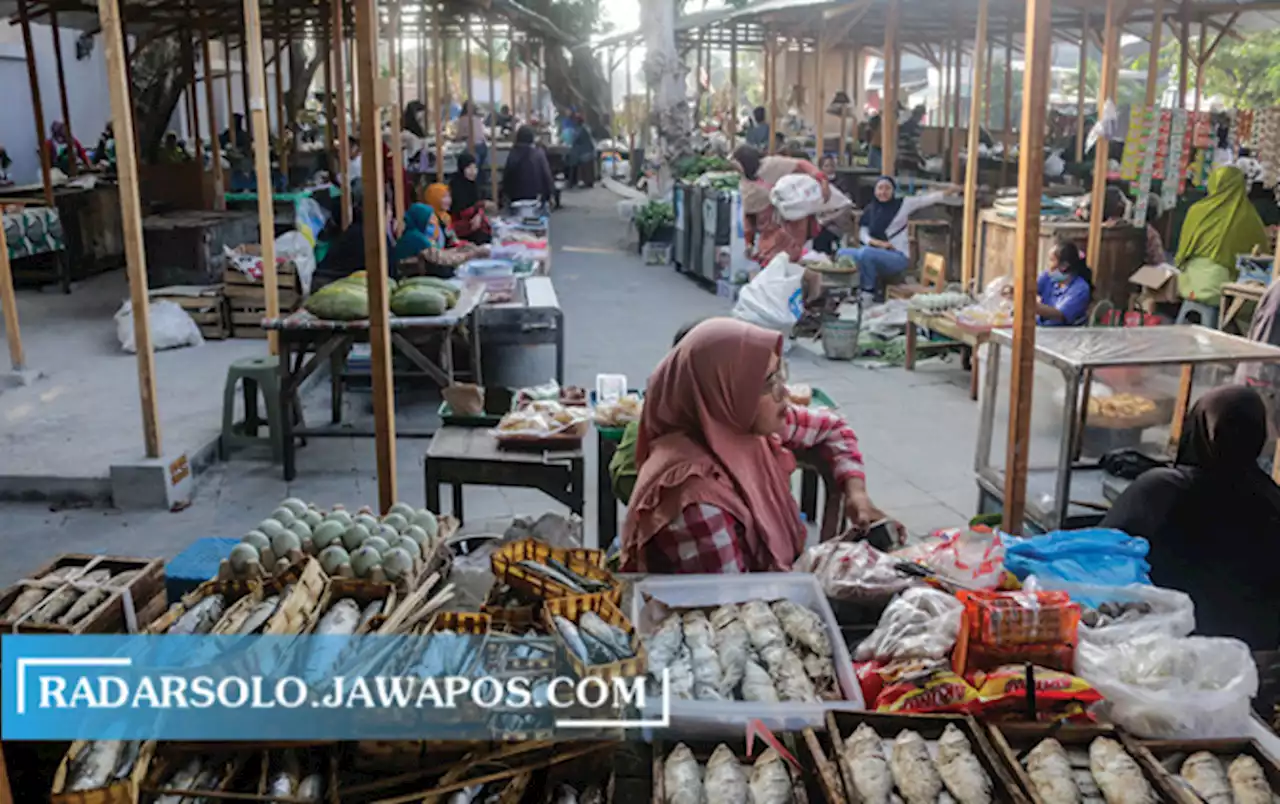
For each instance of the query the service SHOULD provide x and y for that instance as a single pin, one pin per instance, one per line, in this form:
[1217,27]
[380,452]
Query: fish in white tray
[770,780]
[757,685]
[1050,771]
[864,757]
[617,640]
[682,778]
[572,638]
[960,769]
[726,780]
[804,626]
[183,779]
[94,765]
[311,788]
[680,675]
[1249,783]
[732,646]
[700,639]
[913,770]
[201,617]
[790,679]
[664,644]
[822,672]
[260,614]
[1204,772]
[762,624]
[1117,774]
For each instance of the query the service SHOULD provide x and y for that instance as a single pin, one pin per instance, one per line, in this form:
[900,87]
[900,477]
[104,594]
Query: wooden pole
[1080,85]
[279,87]
[631,124]
[986,89]
[855,97]
[955,114]
[215,147]
[1153,60]
[733,87]
[442,75]
[423,94]
[337,51]
[493,107]
[9,307]
[330,147]
[257,105]
[131,218]
[819,98]
[37,107]
[467,95]
[375,241]
[397,153]
[231,107]
[1102,149]
[1035,90]
[970,234]
[244,78]
[844,110]
[943,76]
[1200,60]
[771,59]
[195,103]
[697,80]
[889,114]
[1184,54]
[1008,106]
[73,162]
[528,80]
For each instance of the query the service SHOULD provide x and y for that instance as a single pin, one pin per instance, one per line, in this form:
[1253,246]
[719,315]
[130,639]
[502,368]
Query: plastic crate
[195,565]
[657,253]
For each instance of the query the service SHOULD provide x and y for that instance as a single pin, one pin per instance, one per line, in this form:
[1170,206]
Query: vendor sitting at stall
[714,489]
[1064,291]
[1217,229]
[470,222]
[62,148]
[427,238]
[1214,490]
[764,229]
[883,231]
[104,155]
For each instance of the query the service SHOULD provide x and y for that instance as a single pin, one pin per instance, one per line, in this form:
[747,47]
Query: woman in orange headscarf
[438,198]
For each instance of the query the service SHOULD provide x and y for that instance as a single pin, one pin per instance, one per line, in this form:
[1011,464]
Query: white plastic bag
[972,559]
[171,327]
[796,196]
[1165,687]
[773,299]
[294,245]
[853,571]
[920,623]
[1167,611]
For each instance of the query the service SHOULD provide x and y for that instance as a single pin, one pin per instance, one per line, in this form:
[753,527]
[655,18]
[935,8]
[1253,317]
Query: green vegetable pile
[653,216]
[690,169]
[725,182]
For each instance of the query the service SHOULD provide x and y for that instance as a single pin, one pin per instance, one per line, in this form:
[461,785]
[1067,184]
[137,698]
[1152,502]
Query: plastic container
[486,269]
[729,718]
[657,253]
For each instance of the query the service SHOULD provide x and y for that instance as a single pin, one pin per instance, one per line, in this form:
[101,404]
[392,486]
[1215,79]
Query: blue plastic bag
[1099,556]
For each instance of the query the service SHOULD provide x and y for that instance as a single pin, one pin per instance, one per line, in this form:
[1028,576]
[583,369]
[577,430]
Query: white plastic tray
[729,718]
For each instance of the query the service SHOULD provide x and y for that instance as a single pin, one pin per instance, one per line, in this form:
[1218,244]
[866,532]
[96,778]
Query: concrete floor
[917,430]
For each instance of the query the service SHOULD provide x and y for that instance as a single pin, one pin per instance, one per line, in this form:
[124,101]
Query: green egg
[396,521]
[364,560]
[368,520]
[271,527]
[397,563]
[284,516]
[313,518]
[419,535]
[285,542]
[338,515]
[332,558]
[298,507]
[256,538]
[427,521]
[327,533]
[378,543]
[403,509]
[242,555]
[407,544]
[354,536]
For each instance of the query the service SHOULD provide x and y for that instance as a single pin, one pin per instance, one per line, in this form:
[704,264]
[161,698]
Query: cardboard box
[1159,283]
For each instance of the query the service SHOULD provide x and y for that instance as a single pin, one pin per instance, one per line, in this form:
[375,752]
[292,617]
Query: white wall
[86,95]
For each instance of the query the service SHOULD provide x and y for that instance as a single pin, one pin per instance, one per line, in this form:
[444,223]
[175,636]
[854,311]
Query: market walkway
[917,429]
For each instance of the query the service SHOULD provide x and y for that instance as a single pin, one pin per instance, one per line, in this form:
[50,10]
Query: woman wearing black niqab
[1213,519]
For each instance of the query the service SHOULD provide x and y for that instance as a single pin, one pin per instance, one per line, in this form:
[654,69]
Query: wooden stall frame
[1080,83]
[9,306]
[73,162]
[493,107]
[1153,58]
[442,76]
[1102,148]
[37,107]
[257,103]
[215,146]
[889,101]
[338,52]
[397,153]
[969,236]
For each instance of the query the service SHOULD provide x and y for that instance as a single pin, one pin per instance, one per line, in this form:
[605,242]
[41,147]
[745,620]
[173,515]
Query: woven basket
[588,563]
[232,590]
[571,608]
[166,761]
[300,609]
[462,622]
[124,791]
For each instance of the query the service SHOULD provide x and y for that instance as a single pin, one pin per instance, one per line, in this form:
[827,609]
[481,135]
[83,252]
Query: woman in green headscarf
[427,238]
[1217,229]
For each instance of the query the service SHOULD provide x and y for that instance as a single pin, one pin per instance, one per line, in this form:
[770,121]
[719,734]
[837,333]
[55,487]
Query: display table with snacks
[957,335]
[308,342]
[462,456]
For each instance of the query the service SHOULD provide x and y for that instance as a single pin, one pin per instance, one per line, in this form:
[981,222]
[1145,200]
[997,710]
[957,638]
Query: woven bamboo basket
[461,622]
[571,608]
[123,791]
[362,592]
[233,590]
[300,608]
[588,563]
[169,758]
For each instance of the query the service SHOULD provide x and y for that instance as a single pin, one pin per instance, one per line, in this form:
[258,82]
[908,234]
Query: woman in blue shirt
[1065,289]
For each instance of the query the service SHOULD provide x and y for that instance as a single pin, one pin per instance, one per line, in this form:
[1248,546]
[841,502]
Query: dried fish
[466,795]
[700,639]
[340,620]
[1049,769]
[370,611]
[183,779]
[93,598]
[128,758]
[789,677]
[726,781]
[822,671]
[913,770]
[201,617]
[680,674]
[664,644]
[590,584]
[723,615]
[617,640]
[1117,774]
[260,614]
[682,778]
[551,574]
[311,788]
[63,599]
[804,626]
[1248,781]
[762,625]
[94,765]
[572,638]
[732,645]
[770,780]
[756,684]
[1204,772]
[25,602]
[867,766]
[599,652]
[960,769]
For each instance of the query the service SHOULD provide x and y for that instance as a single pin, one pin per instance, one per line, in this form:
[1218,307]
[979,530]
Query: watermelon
[446,287]
[419,300]
[339,302]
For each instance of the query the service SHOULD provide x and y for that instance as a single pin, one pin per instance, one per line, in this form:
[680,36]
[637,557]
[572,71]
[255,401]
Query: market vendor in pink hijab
[713,492]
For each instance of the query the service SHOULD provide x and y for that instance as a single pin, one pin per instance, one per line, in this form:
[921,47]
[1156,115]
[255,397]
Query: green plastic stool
[256,376]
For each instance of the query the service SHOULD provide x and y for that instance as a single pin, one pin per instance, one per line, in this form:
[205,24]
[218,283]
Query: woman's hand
[826,188]
[397,227]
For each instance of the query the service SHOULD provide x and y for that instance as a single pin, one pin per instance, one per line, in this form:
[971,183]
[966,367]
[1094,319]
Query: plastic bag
[796,196]
[920,623]
[171,327]
[774,298]
[1092,555]
[853,571]
[297,247]
[1107,126]
[309,218]
[1164,687]
[1113,614]
[972,558]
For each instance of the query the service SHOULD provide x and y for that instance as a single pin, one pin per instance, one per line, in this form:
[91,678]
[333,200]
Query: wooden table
[306,342]
[1235,295]
[463,456]
[944,324]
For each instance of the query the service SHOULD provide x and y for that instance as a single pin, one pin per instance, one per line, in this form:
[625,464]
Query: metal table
[306,342]
[533,319]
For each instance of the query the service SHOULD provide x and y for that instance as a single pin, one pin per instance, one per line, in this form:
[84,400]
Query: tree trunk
[575,79]
[304,61]
[160,74]
[665,73]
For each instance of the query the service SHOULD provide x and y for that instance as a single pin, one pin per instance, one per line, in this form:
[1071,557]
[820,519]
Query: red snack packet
[869,679]
[1004,690]
[936,688]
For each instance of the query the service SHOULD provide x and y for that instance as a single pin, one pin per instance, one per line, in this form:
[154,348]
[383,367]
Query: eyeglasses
[775,383]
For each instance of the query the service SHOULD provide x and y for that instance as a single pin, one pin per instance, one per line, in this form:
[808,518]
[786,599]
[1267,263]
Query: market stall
[87,227]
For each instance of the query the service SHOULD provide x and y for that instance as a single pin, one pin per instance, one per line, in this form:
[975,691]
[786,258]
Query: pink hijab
[696,445]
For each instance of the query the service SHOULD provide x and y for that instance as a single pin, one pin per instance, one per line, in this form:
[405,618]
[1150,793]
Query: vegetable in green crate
[653,216]
[339,302]
[419,300]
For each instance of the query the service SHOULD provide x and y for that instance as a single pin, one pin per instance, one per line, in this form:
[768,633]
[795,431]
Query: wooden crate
[571,608]
[1011,741]
[249,770]
[123,791]
[207,306]
[247,297]
[1004,786]
[1167,752]
[589,563]
[806,782]
[233,590]
[110,615]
